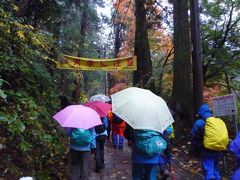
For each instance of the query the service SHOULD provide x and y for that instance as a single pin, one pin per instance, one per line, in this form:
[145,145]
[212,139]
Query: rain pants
[117,131]
[210,159]
[118,134]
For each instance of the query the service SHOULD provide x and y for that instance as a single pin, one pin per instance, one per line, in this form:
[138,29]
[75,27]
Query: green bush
[28,99]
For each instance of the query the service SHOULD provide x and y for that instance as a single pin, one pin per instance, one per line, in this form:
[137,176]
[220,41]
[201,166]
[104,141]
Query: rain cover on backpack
[80,137]
[215,134]
[149,142]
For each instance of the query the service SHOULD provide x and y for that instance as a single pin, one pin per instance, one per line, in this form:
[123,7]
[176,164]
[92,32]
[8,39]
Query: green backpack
[149,142]
[80,137]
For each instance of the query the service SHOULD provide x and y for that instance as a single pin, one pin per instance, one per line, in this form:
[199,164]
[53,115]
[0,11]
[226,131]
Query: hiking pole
[225,164]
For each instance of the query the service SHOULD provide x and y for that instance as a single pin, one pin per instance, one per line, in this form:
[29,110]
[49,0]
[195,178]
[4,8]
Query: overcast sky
[107,12]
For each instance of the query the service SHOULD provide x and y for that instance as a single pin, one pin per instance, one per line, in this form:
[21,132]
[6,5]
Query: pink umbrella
[100,107]
[78,116]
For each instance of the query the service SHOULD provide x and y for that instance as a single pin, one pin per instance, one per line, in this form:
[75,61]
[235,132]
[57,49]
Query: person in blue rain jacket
[210,159]
[100,142]
[80,156]
[142,167]
[234,147]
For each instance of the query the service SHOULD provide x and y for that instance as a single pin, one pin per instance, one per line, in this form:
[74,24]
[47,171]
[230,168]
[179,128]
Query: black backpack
[117,119]
[129,132]
[100,128]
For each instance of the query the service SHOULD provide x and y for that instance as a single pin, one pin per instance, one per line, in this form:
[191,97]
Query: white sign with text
[224,105]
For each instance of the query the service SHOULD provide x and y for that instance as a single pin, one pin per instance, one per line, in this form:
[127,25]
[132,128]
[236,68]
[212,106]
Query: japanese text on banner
[90,64]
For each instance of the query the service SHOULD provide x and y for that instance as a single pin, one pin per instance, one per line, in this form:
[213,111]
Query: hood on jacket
[235,146]
[204,112]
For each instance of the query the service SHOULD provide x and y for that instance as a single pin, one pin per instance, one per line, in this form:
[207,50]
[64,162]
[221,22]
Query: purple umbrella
[78,116]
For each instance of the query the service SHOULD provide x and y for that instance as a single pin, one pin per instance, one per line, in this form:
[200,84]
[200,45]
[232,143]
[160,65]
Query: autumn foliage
[210,92]
[117,87]
[125,16]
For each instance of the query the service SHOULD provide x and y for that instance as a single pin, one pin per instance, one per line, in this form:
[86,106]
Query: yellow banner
[91,64]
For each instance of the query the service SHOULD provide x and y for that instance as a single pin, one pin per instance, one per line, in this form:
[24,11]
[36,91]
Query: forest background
[35,34]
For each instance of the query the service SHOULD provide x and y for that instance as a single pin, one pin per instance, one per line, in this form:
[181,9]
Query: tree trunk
[227,82]
[83,28]
[119,37]
[142,77]
[119,32]
[181,100]
[197,63]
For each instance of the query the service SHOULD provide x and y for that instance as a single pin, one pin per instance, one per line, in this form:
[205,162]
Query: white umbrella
[99,97]
[142,109]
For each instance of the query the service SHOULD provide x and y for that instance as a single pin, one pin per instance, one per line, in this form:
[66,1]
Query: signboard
[224,105]
[91,64]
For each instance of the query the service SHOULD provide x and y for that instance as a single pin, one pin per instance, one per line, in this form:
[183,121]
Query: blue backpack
[149,142]
[80,137]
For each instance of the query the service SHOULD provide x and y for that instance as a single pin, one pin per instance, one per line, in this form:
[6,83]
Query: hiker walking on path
[79,122]
[102,109]
[235,148]
[118,126]
[80,152]
[101,135]
[148,115]
[210,139]
[144,165]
